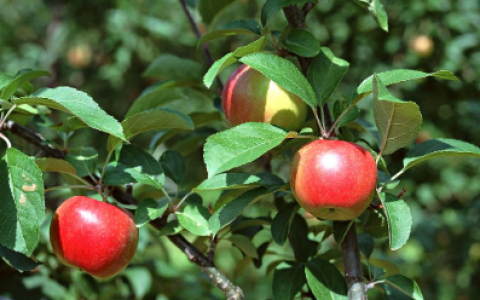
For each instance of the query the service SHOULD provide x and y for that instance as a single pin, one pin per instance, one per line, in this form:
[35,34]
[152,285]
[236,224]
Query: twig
[307,7]
[353,266]
[198,35]
[231,291]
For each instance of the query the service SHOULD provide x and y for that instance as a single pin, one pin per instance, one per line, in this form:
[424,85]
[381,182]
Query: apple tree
[271,164]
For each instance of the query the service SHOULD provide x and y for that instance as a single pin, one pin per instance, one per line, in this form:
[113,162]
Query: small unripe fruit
[422,45]
[333,179]
[97,237]
[249,96]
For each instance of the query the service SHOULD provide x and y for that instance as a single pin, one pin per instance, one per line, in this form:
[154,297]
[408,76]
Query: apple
[333,179]
[97,237]
[422,45]
[249,96]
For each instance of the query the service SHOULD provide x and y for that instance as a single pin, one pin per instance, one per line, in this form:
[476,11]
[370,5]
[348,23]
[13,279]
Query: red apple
[249,96]
[95,236]
[332,179]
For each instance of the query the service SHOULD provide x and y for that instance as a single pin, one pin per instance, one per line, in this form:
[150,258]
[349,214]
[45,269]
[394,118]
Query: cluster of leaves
[183,115]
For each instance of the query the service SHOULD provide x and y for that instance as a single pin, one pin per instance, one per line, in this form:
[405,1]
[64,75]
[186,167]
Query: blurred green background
[104,47]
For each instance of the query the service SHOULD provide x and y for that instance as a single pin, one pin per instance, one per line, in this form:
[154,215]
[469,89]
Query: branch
[297,20]
[198,35]
[353,266]
[231,291]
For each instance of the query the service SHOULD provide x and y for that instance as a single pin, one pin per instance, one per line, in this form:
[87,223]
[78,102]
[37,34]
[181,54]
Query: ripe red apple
[95,236]
[332,179]
[249,96]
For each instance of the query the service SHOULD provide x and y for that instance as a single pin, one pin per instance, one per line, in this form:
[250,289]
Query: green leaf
[17,260]
[153,119]
[154,98]
[272,6]
[194,218]
[149,209]
[140,280]
[399,220]
[77,103]
[302,246]
[173,165]
[438,148]
[325,73]
[366,243]
[301,42]
[245,244]
[282,221]
[229,212]
[231,181]
[23,203]
[288,282]
[404,285]
[245,26]
[379,13]
[169,66]
[398,121]
[239,145]
[21,109]
[22,77]
[49,164]
[135,165]
[284,73]
[401,75]
[340,229]
[325,280]
[84,160]
[231,58]
[208,9]
[173,227]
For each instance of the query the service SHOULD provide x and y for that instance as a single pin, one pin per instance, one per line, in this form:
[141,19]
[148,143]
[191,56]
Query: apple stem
[353,265]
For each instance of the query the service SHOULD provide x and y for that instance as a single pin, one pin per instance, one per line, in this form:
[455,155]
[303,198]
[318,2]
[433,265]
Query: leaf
[272,6]
[282,222]
[169,66]
[77,103]
[366,243]
[288,282]
[230,211]
[399,220]
[302,246]
[398,121]
[301,42]
[282,72]
[84,160]
[173,165]
[23,203]
[239,145]
[148,210]
[245,26]
[154,98]
[173,227]
[325,73]
[208,9]
[153,119]
[340,229]
[231,58]
[401,75]
[405,285]
[379,13]
[17,260]
[244,244]
[140,280]
[22,77]
[438,148]
[194,218]
[232,181]
[49,164]
[325,280]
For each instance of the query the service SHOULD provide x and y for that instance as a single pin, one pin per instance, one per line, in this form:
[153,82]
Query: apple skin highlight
[333,179]
[249,96]
[97,237]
